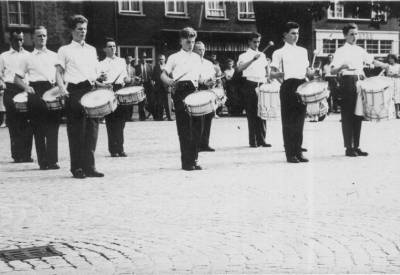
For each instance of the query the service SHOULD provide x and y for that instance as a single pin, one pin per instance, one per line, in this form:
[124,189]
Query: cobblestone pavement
[248,212]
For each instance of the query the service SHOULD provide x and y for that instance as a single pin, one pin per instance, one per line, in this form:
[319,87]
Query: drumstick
[316,52]
[219,77]
[270,44]
[177,79]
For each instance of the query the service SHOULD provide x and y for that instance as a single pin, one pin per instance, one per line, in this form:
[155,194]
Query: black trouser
[148,103]
[293,113]
[257,126]
[115,123]
[205,135]
[189,128]
[333,96]
[162,103]
[45,125]
[351,124]
[19,126]
[82,131]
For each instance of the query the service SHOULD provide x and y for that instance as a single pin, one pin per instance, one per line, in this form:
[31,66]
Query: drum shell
[269,104]
[21,107]
[55,105]
[201,108]
[130,99]
[319,108]
[376,104]
[317,95]
[101,110]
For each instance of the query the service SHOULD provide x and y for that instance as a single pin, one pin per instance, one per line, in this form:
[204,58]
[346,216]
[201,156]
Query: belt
[256,79]
[353,73]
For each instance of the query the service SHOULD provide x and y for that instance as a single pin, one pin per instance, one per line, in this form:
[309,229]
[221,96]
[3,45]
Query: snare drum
[130,95]
[313,91]
[21,102]
[54,99]
[220,95]
[376,95]
[319,108]
[99,103]
[200,103]
[268,100]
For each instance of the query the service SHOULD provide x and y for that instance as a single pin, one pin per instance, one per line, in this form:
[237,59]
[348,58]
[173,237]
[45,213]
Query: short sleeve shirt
[39,66]
[353,56]
[184,63]
[10,62]
[292,60]
[79,62]
[256,70]
[115,69]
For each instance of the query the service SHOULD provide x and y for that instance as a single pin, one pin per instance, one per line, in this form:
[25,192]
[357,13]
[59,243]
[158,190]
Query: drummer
[291,63]
[348,63]
[77,67]
[116,75]
[253,64]
[39,67]
[18,123]
[184,65]
[207,71]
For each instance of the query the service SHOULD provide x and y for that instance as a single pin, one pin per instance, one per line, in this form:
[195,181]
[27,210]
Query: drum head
[97,98]
[129,90]
[375,84]
[21,97]
[199,98]
[312,87]
[52,94]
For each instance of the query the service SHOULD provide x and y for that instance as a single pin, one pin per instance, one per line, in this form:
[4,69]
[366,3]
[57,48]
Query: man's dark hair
[15,32]
[187,32]
[349,27]
[290,25]
[393,56]
[75,20]
[106,40]
[254,35]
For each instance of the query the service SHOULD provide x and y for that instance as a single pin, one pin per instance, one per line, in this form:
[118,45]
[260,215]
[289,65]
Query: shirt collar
[289,45]
[82,44]
[251,50]
[14,51]
[36,51]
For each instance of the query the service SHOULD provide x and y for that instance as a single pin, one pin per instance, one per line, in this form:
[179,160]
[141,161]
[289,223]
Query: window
[246,10]
[386,46]
[19,13]
[373,46]
[134,7]
[175,8]
[360,10]
[136,52]
[215,10]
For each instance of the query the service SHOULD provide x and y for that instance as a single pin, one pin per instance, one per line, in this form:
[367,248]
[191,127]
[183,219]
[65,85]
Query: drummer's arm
[18,80]
[275,73]
[380,64]
[166,79]
[336,70]
[60,80]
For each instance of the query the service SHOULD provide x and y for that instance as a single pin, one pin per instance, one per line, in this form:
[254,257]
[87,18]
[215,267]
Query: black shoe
[197,167]
[94,174]
[206,149]
[114,155]
[188,167]
[43,167]
[351,153]
[170,119]
[303,149]
[264,144]
[78,174]
[360,153]
[292,159]
[301,158]
[53,166]
[123,154]
[253,145]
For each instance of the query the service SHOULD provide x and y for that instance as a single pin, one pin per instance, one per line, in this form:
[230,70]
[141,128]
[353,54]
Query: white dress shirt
[353,56]
[113,68]
[39,66]
[256,71]
[207,70]
[184,62]
[10,62]
[292,60]
[79,62]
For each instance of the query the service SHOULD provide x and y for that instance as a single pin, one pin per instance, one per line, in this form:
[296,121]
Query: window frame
[212,17]
[241,12]
[334,17]
[176,14]
[136,51]
[130,11]
[12,25]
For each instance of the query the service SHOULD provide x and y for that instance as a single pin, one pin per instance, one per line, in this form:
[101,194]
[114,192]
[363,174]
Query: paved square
[248,212]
